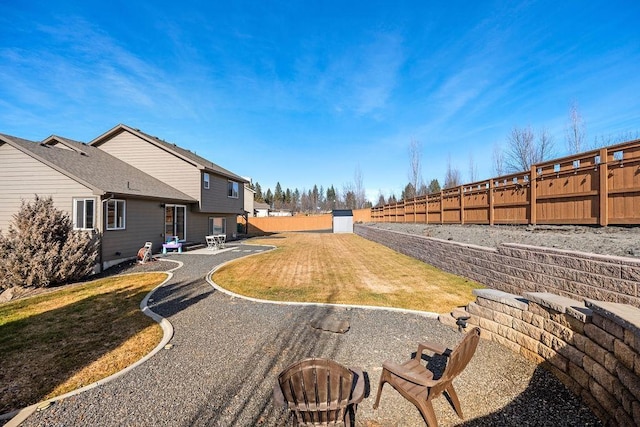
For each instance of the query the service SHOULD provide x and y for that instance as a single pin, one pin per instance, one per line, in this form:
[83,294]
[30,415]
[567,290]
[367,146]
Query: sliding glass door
[175,221]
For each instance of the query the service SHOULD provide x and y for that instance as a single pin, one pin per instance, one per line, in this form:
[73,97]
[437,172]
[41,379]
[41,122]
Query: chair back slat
[460,357]
[317,391]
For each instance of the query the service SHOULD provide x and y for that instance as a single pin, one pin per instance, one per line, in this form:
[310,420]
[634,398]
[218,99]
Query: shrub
[42,249]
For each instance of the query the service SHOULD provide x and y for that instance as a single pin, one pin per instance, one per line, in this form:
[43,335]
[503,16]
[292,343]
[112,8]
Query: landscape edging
[19,415]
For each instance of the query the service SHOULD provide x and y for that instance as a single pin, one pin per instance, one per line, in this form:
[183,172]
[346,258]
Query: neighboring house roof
[94,168]
[190,157]
[259,205]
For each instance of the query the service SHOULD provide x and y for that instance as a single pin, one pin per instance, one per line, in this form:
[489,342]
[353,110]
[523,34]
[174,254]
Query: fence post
[426,209]
[461,191]
[603,213]
[533,194]
[441,206]
[415,208]
[491,218]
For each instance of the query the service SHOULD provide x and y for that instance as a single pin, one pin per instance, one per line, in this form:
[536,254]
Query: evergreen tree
[434,187]
[409,192]
[268,198]
[331,198]
[258,197]
[315,197]
[296,200]
[277,196]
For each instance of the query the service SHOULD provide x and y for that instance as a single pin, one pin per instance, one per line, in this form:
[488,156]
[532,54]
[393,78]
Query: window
[115,214]
[232,189]
[83,214]
[205,181]
[217,225]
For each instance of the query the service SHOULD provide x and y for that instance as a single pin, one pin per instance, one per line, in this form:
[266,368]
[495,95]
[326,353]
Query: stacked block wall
[517,268]
[594,351]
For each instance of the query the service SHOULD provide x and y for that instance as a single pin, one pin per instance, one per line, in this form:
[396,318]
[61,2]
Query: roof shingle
[96,169]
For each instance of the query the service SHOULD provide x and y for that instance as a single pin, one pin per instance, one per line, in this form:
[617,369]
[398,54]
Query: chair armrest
[358,392]
[401,372]
[436,348]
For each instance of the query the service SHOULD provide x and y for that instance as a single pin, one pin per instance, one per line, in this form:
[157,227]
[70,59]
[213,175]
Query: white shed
[343,221]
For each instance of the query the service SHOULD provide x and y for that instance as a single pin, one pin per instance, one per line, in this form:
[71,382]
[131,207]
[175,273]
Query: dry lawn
[343,269]
[60,341]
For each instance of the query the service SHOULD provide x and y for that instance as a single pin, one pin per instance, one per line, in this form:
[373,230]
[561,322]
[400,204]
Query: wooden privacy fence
[599,187]
[259,225]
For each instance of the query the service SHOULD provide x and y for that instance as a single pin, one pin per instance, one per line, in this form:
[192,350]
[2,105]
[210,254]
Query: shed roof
[95,168]
[342,212]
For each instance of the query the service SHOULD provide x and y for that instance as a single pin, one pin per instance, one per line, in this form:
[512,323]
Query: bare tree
[498,160]
[603,141]
[415,170]
[473,169]
[523,150]
[452,176]
[575,131]
[359,191]
[348,200]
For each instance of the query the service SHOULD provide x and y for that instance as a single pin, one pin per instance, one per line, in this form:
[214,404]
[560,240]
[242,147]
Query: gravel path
[228,351]
[618,241]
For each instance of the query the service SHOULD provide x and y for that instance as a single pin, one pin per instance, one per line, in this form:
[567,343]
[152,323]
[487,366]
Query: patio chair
[320,392]
[416,383]
[144,254]
[211,242]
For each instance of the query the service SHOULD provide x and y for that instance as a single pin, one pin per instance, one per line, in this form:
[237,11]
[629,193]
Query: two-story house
[129,186]
[218,192]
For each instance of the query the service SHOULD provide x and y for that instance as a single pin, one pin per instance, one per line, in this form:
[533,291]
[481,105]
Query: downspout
[101,236]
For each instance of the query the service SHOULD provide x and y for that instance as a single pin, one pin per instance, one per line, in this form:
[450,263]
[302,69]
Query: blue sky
[307,92]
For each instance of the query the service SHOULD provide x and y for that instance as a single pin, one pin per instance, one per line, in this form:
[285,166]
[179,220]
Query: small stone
[634,252]
[6,295]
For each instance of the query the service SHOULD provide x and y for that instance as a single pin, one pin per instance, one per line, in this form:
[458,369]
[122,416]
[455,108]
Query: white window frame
[174,224]
[117,211]
[233,189]
[206,181]
[84,201]
[211,225]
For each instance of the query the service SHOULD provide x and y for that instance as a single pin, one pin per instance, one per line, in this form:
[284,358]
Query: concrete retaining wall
[517,268]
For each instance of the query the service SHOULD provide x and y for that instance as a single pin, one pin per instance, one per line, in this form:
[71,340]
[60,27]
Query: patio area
[227,353]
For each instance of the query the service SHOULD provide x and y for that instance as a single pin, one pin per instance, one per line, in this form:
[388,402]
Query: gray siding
[155,161]
[198,225]
[215,199]
[21,177]
[144,223]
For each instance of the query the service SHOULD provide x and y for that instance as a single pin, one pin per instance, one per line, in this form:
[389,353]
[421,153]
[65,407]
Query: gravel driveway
[228,351]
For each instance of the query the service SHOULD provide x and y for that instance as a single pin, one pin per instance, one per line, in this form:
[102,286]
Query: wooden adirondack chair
[415,382]
[320,392]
